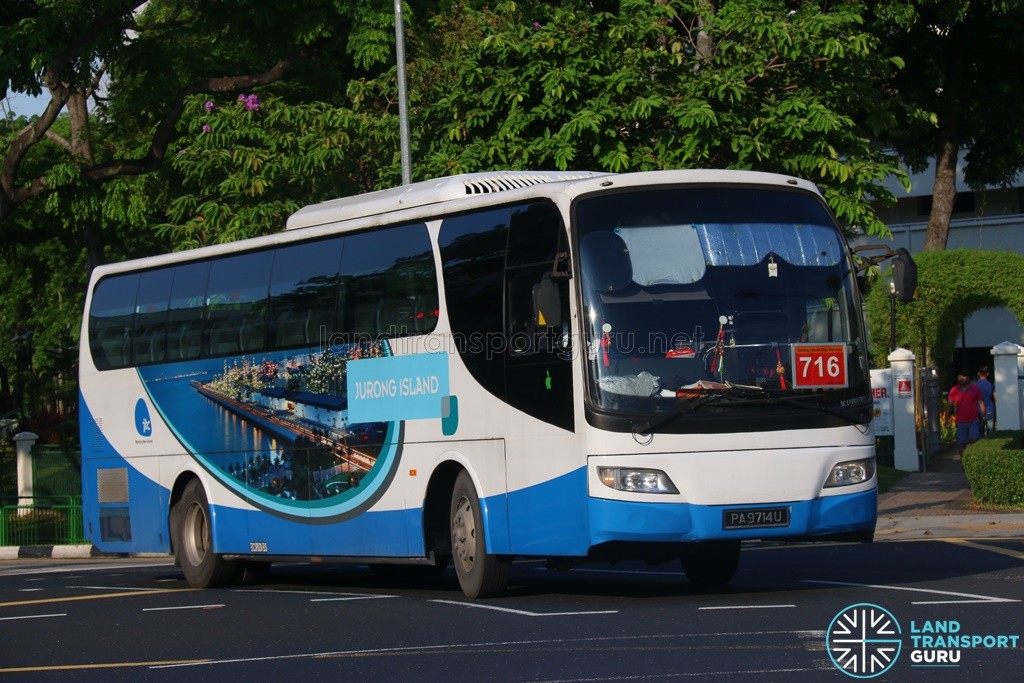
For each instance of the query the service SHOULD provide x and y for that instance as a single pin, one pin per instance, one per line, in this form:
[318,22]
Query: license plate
[755,518]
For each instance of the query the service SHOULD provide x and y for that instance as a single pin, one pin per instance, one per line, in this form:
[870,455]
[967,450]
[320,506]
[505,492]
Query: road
[789,615]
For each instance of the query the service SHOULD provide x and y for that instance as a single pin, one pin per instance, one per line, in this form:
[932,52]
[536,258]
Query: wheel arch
[437,510]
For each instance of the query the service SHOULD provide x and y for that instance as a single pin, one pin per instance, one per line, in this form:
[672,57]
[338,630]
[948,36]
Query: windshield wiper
[750,395]
[646,428]
[853,415]
[707,394]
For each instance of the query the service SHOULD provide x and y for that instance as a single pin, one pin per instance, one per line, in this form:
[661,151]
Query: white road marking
[746,607]
[972,597]
[33,616]
[520,611]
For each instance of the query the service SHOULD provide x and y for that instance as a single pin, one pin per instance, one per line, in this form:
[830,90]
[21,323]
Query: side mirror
[547,303]
[904,275]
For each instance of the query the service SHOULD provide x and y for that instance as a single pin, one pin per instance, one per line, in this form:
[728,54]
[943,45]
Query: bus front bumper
[842,517]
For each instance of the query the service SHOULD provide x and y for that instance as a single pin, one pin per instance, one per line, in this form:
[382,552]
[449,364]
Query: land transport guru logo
[865,640]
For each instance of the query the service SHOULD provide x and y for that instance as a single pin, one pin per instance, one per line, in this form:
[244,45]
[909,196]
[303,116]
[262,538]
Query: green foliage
[995,469]
[954,86]
[249,162]
[951,285]
[529,85]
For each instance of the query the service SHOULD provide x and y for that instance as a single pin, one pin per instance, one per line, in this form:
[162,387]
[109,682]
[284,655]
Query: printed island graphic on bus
[319,430]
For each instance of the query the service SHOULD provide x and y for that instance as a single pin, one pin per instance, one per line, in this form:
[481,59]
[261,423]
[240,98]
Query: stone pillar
[23,442]
[1007,359]
[904,426]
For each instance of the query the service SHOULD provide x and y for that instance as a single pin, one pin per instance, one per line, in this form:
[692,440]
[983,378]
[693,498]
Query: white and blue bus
[576,367]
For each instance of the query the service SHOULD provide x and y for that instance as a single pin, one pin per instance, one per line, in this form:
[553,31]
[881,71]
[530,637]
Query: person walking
[984,385]
[967,405]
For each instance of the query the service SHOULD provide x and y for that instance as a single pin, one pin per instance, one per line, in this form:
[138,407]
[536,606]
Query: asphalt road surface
[926,610]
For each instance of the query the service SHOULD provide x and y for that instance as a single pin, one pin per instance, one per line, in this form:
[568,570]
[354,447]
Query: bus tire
[481,574]
[193,549]
[711,563]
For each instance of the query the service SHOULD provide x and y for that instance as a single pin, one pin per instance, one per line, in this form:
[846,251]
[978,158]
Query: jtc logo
[143,423]
[864,640]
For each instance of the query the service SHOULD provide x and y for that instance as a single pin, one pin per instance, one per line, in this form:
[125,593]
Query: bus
[577,367]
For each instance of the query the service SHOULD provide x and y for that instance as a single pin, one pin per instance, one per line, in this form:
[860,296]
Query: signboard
[881,393]
[904,386]
[393,388]
[819,366]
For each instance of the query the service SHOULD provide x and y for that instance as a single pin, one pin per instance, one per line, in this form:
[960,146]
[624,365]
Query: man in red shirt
[967,404]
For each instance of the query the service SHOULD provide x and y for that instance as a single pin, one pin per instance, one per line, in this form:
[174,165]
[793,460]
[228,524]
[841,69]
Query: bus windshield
[698,290]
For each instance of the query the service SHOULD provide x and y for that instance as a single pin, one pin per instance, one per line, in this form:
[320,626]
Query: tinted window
[110,320]
[389,285]
[236,301]
[303,293]
[150,327]
[492,261]
[185,314]
[538,372]
[291,297]
[473,260]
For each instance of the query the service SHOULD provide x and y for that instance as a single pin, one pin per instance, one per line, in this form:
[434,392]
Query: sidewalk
[938,504]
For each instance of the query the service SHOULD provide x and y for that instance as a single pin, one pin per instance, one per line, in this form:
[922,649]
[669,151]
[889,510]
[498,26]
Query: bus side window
[534,242]
[236,303]
[185,314]
[151,305]
[473,260]
[303,293]
[385,272]
[110,321]
[538,374]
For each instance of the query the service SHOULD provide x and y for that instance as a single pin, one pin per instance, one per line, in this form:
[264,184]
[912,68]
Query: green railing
[41,520]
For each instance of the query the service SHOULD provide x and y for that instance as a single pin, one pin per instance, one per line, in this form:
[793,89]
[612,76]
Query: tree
[87,178]
[763,84]
[639,85]
[957,94]
[152,56]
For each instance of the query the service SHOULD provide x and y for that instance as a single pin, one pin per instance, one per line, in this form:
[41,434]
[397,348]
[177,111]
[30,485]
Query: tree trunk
[943,196]
[947,147]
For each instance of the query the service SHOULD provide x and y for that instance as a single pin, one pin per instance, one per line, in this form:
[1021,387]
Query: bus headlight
[851,472]
[636,480]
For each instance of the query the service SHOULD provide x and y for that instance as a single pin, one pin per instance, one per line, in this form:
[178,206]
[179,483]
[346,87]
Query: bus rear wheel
[193,547]
[481,574]
[711,563]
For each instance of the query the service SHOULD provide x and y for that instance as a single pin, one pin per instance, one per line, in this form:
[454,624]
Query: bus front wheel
[481,574]
[711,563]
[193,546]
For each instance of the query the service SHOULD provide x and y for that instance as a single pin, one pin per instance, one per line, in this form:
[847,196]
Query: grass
[888,477]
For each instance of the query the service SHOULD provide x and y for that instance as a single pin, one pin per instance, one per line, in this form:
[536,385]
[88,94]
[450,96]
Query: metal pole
[892,319]
[403,103]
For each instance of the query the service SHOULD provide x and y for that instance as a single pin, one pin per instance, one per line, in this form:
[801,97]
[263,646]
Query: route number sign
[819,366]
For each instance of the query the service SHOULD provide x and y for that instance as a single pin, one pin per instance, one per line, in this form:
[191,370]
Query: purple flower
[207,128]
[209,105]
[251,102]
[537,26]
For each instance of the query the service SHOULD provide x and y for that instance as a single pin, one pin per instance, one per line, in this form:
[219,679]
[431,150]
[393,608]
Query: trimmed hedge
[951,285]
[995,469]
